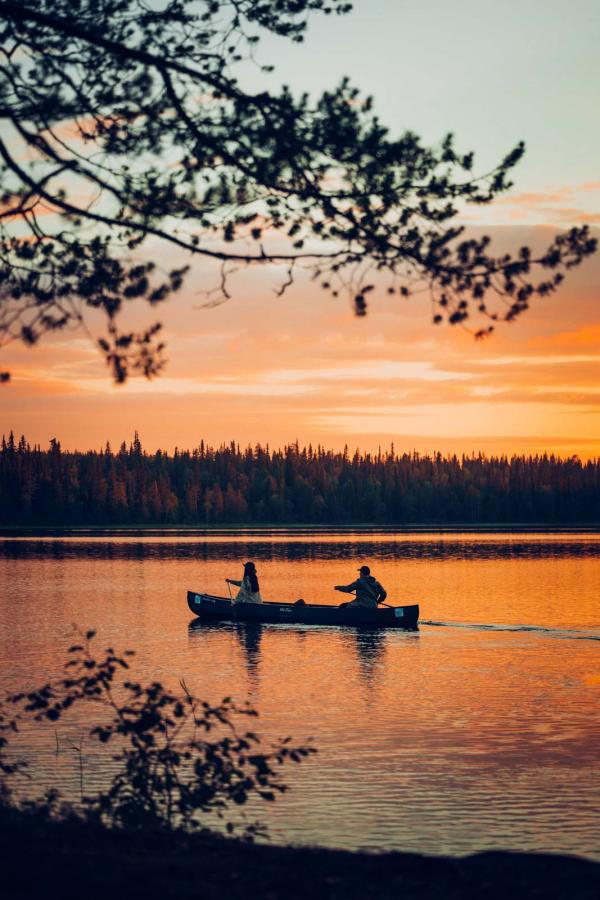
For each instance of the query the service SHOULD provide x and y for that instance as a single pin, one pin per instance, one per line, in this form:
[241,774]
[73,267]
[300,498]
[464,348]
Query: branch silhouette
[178,762]
[126,124]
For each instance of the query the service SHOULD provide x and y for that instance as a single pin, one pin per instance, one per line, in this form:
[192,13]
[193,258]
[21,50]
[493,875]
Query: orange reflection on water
[453,739]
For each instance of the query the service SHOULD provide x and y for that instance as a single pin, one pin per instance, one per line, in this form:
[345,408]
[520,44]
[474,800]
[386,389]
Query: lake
[479,731]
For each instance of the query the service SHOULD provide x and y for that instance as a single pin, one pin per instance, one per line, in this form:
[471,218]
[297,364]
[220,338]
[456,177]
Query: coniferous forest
[296,485]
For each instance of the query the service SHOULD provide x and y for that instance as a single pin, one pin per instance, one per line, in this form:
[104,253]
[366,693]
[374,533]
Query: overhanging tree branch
[142,107]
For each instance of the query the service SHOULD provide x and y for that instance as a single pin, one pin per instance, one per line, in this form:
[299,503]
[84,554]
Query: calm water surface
[480,731]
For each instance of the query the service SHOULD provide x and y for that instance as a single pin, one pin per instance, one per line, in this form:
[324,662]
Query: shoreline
[300,528]
[74,859]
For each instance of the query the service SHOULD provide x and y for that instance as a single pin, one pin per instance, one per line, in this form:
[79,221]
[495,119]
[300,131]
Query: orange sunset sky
[259,368]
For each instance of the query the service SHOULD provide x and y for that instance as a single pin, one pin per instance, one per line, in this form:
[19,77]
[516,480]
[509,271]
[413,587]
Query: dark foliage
[293,485]
[9,765]
[126,121]
[177,759]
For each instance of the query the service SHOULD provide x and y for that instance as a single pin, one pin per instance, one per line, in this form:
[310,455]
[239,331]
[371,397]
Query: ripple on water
[481,731]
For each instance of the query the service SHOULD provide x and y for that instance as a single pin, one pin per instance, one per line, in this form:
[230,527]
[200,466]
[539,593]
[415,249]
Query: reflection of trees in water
[316,549]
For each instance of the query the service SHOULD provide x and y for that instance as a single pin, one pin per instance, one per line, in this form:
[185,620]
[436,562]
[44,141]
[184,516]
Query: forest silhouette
[293,485]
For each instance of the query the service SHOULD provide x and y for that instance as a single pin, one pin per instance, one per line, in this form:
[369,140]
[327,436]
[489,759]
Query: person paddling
[369,592]
[249,588]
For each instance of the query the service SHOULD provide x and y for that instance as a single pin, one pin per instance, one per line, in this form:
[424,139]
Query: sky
[263,369]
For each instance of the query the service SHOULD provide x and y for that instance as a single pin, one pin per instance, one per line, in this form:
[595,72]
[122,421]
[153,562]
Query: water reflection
[398,547]
[456,739]
[368,645]
[370,652]
[248,634]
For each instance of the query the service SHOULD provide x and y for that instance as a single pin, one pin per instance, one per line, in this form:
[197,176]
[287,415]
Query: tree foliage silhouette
[178,761]
[295,485]
[127,124]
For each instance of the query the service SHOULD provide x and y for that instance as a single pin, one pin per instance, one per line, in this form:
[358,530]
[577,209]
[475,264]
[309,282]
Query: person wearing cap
[369,592]
[249,589]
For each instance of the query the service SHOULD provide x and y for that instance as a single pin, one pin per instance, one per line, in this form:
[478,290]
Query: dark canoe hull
[219,609]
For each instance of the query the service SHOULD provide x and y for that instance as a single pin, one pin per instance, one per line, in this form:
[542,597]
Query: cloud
[546,360]
[272,370]
[529,199]
[572,214]
[558,206]
[588,336]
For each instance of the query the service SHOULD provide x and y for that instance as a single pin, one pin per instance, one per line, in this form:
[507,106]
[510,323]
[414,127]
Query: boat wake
[570,634]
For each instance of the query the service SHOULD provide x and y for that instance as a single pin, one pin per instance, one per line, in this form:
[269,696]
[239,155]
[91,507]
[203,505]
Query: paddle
[229,589]
[380,603]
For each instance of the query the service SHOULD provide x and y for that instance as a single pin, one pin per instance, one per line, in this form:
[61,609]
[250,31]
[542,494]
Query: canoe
[210,608]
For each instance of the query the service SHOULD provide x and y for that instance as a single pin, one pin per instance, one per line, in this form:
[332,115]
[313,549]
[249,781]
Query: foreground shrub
[179,761]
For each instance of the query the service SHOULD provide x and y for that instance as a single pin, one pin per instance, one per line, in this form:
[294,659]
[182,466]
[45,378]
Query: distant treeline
[293,485]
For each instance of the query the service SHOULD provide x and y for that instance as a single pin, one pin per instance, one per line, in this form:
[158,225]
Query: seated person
[369,592]
[249,589]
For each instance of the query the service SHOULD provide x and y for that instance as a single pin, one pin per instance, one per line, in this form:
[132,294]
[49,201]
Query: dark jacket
[369,592]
